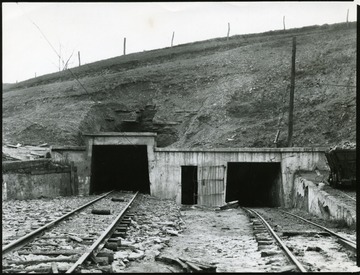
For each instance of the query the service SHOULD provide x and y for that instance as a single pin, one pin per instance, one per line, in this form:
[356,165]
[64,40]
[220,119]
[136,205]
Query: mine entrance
[254,183]
[119,167]
[189,185]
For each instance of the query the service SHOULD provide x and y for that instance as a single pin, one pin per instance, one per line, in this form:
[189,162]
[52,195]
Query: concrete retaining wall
[309,197]
[71,155]
[34,179]
[23,186]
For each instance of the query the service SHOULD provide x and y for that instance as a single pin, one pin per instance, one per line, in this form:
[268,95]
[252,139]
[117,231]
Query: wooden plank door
[211,185]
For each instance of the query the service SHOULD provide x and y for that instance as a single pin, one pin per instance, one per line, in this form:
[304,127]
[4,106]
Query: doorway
[189,185]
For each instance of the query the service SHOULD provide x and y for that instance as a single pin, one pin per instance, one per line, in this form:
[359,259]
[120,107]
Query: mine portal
[119,167]
[253,183]
[119,161]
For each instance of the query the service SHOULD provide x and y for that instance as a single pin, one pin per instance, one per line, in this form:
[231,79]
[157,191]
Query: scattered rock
[172,232]
[277,228]
[135,256]
[75,238]
[267,253]
[288,268]
[271,261]
[121,255]
[313,248]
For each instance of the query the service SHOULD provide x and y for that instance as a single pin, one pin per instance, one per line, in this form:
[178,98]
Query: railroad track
[65,243]
[347,195]
[308,242]
[287,252]
[346,242]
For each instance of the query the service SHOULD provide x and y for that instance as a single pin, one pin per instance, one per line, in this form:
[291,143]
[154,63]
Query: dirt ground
[224,238]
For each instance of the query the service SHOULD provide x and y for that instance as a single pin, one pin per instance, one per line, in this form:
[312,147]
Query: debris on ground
[26,152]
[232,204]
[188,265]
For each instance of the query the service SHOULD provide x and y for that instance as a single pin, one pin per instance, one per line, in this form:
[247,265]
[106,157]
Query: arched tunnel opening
[119,167]
[254,184]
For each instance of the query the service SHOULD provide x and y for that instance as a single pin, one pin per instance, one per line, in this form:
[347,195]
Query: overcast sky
[97,30]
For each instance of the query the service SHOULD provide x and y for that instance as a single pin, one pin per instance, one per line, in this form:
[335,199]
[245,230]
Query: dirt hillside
[209,94]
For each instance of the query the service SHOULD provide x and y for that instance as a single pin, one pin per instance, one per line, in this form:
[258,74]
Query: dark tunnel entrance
[119,167]
[254,183]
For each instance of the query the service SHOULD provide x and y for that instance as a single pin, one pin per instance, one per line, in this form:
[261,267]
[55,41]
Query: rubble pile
[25,152]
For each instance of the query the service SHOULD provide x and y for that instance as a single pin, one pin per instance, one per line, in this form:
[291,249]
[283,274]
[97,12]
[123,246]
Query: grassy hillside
[213,93]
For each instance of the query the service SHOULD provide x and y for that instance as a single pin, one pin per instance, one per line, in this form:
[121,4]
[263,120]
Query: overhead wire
[57,54]
[68,69]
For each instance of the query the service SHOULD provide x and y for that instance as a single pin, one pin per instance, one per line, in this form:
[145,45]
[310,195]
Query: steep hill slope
[210,94]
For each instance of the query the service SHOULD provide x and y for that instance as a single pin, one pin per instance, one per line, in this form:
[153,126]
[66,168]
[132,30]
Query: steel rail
[283,246]
[103,236]
[351,243]
[32,235]
[347,195]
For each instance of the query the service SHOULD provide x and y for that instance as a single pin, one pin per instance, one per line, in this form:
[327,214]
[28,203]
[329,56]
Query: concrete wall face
[276,192]
[78,158]
[36,178]
[25,186]
[311,198]
[295,161]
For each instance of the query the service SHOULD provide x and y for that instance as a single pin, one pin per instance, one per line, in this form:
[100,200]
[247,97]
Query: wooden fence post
[284,22]
[228,31]
[79,58]
[124,45]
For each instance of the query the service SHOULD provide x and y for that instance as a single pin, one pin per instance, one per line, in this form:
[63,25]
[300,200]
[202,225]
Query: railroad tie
[118,199]
[101,211]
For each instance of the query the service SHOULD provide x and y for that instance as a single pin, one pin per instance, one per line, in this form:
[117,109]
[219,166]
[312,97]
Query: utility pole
[228,31]
[124,45]
[172,39]
[292,88]
[79,58]
[347,18]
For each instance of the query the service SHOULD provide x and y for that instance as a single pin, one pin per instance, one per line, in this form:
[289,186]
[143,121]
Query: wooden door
[211,185]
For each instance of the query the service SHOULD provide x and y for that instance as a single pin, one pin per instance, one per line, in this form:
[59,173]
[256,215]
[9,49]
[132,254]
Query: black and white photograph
[179,137]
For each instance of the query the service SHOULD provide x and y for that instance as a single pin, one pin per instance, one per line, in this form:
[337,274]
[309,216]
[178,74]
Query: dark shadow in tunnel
[253,183]
[119,167]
